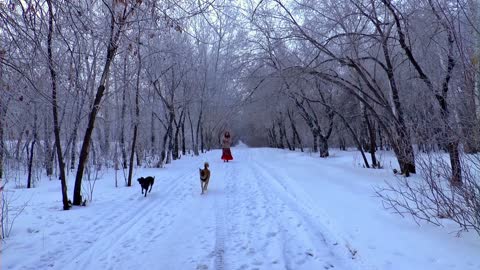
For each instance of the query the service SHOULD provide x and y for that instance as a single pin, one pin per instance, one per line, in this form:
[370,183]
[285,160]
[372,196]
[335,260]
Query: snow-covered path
[247,220]
[268,209]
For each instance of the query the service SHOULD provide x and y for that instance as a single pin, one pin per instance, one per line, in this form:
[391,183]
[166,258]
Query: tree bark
[152,135]
[2,139]
[32,148]
[48,149]
[73,149]
[191,132]
[372,139]
[280,133]
[201,138]
[176,147]
[123,113]
[315,141]
[184,151]
[198,132]
[323,147]
[295,132]
[3,113]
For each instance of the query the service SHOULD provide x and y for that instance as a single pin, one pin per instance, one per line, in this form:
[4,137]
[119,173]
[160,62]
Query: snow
[267,209]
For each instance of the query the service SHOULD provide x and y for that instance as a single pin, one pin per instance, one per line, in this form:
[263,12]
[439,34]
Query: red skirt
[226,154]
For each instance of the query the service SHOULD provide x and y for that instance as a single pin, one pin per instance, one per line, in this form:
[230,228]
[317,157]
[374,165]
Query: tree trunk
[380,137]
[48,150]
[163,153]
[372,139]
[168,160]
[455,162]
[355,139]
[139,154]
[32,148]
[280,133]
[192,135]
[184,152]
[132,154]
[283,132]
[2,139]
[323,146]
[468,119]
[56,126]
[198,133]
[295,132]
[77,197]
[123,113]
[342,144]
[137,116]
[30,163]
[152,135]
[165,148]
[289,145]
[201,138]
[176,147]
[170,136]
[3,113]
[402,146]
[19,141]
[73,149]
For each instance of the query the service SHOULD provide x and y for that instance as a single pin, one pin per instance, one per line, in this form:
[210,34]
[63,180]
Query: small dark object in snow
[146,182]
[329,266]
[309,254]
[395,171]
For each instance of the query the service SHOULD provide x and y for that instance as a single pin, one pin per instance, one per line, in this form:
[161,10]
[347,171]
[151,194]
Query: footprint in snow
[329,266]
[257,263]
[202,267]
[271,234]
[242,267]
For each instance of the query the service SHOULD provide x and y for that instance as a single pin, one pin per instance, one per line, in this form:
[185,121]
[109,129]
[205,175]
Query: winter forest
[382,94]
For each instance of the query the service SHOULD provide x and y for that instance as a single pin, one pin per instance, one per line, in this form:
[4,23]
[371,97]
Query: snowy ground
[268,209]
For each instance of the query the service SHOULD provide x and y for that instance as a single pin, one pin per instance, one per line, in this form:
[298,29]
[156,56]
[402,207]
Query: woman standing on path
[226,142]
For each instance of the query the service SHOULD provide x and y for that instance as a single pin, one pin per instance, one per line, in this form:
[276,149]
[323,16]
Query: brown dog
[204,177]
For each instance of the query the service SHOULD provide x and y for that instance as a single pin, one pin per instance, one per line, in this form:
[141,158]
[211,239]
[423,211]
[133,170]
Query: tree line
[111,83]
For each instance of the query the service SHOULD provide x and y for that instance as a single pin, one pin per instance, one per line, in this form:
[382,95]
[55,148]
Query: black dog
[146,182]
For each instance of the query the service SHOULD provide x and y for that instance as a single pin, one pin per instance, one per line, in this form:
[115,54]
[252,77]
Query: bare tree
[58,147]
[120,12]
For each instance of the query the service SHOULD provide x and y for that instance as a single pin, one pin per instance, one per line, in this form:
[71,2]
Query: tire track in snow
[257,216]
[220,232]
[298,246]
[314,229]
[174,196]
[123,223]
